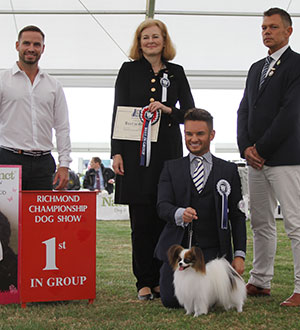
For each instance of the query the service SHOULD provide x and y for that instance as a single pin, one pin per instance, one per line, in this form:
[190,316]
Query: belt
[33,153]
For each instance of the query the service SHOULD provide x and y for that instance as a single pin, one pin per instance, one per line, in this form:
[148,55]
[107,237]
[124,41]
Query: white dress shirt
[100,178]
[276,56]
[207,165]
[29,112]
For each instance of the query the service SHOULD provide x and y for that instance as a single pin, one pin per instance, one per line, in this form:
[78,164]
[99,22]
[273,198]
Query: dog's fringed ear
[173,254]
[199,264]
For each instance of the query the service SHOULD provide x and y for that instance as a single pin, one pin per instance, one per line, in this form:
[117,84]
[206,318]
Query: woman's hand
[159,106]
[118,165]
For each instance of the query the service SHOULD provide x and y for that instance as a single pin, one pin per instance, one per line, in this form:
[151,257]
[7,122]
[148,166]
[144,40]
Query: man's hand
[189,215]
[253,158]
[238,264]
[61,176]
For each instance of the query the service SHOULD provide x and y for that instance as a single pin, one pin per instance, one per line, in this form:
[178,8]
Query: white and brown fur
[199,286]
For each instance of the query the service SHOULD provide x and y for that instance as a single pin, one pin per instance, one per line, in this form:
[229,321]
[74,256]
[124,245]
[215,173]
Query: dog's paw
[202,312]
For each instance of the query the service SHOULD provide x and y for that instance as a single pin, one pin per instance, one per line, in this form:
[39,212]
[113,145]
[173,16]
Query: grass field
[116,305]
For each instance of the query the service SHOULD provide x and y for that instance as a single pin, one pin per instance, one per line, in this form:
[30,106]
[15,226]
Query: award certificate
[129,124]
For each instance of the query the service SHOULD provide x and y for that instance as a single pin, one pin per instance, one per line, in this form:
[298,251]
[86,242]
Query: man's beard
[29,62]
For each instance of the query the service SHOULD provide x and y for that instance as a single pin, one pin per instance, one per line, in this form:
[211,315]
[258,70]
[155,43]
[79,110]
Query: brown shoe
[253,290]
[292,301]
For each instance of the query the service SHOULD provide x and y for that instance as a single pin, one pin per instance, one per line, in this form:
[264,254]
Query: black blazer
[174,191]
[270,117]
[135,86]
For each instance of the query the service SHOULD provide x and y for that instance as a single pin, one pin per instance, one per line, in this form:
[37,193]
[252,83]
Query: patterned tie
[97,180]
[198,175]
[265,68]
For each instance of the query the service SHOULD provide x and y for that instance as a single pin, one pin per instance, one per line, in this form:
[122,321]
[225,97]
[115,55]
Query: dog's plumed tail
[228,284]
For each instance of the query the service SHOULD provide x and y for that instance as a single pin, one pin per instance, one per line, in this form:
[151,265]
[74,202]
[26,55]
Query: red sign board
[57,246]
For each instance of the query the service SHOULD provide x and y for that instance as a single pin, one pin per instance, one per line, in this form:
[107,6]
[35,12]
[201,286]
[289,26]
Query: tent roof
[86,39]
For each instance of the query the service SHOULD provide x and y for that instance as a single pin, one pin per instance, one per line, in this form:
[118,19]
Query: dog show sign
[58,246]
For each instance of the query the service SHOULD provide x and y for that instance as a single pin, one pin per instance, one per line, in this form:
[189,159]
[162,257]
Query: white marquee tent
[87,41]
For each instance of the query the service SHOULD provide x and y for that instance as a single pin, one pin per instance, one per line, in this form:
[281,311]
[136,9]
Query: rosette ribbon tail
[224,189]
[145,146]
[224,219]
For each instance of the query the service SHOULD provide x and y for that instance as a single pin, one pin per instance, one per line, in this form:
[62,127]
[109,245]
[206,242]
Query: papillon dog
[199,286]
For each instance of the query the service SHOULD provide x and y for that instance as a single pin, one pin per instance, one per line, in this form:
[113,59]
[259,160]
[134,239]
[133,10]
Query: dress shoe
[253,290]
[292,301]
[145,294]
[148,296]
[155,294]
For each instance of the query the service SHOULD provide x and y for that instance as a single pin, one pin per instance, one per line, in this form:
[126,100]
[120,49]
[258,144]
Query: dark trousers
[167,294]
[37,171]
[146,227]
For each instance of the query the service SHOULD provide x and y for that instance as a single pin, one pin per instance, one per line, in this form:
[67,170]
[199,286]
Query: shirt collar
[207,157]
[276,55]
[16,69]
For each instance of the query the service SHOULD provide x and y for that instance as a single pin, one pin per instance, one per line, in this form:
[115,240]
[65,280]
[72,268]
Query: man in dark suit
[99,177]
[190,193]
[269,139]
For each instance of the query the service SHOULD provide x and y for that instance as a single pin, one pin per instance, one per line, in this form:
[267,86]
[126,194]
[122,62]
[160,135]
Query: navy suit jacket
[269,117]
[174,191]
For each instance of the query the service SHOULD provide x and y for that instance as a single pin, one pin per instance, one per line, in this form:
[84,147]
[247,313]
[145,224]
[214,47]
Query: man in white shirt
[32,104]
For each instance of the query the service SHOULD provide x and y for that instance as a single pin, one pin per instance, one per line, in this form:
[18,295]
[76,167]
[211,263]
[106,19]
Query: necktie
[265,68]
[198,175]
[97,180]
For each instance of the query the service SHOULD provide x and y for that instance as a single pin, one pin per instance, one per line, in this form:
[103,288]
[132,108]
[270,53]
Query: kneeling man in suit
[199,196]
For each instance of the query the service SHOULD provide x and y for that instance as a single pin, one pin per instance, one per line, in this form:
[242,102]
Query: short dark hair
[97,160]
[197,114]
[31,28]
[285,16]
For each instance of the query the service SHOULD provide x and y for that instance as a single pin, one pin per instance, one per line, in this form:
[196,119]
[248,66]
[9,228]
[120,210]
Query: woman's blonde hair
[168,52]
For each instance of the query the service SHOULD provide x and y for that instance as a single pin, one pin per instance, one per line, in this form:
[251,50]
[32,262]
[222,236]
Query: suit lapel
[186,177]
[274,71]
[217,175]
[257,77]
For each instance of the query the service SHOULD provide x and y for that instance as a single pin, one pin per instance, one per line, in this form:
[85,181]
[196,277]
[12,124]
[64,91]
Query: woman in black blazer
[139,84]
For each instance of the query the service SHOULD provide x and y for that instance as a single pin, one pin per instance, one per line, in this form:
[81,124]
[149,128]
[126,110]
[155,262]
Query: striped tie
[264,71]
[198,176]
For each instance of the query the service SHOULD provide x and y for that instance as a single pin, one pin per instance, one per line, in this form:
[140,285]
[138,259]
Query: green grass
[116,306]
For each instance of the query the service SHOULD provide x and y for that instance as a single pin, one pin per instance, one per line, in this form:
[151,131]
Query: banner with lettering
[108,210]
[58,246]
[10,185]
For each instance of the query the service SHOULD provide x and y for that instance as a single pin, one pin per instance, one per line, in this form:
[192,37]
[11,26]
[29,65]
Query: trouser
[146,227]
[37,171]
[266,187]
[167,293]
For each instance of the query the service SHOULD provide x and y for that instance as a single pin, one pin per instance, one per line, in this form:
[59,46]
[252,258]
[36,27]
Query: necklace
[160,67]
